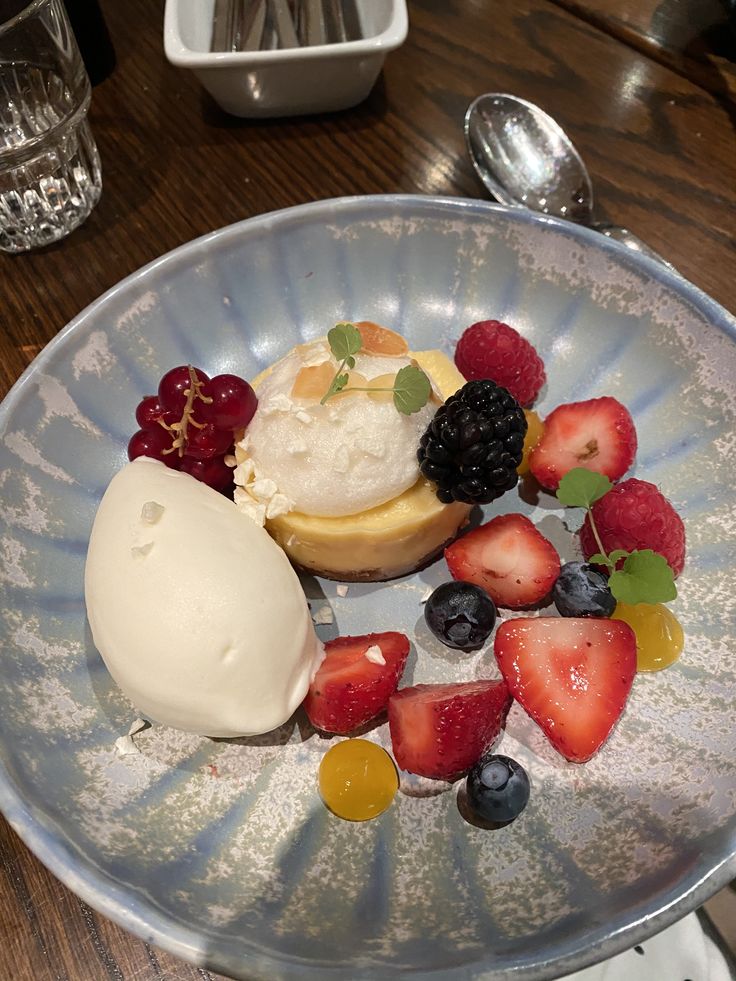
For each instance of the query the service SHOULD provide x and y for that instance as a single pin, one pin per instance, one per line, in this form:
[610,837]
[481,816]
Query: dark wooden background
[646,89]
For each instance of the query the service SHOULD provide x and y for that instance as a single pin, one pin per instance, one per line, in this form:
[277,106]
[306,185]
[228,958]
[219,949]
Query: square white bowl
[289,81]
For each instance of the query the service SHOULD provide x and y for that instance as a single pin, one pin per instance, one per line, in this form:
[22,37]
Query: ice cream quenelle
[197,613]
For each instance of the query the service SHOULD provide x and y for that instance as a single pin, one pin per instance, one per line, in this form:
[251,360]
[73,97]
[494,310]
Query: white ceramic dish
[292,81]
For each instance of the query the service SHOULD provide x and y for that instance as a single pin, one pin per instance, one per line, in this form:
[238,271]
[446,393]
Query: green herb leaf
[618,553]
[580,488]
[411,389]
[344,341]
[645,578]
[600,559]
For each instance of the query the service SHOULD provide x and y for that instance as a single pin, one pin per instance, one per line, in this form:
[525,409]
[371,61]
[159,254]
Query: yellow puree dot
[535,429]
[357,779]
[659,636]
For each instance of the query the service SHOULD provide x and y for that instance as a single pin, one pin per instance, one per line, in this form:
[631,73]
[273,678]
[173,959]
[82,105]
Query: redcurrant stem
[180,428]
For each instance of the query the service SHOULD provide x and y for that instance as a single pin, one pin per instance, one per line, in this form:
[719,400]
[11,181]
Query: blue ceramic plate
[221,851]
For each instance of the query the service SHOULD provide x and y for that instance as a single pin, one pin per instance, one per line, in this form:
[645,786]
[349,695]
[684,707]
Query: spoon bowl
[526,160]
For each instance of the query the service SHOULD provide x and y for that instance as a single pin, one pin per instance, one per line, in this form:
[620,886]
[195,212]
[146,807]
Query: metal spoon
[526,160]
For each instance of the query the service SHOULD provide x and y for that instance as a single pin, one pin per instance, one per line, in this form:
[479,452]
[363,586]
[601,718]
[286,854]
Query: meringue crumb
[263,488]
[248,506]
[320,356]
[296,447]
[151,512]
[375,654]
[277,403]
[323,615]
[139,551]
[244,471]
[342,459]
[342,589]
[291,540]
[124,745]
[427,593]
[304,417]
[278,505]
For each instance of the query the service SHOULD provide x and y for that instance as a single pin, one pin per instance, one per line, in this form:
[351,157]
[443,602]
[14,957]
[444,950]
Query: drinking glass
[50,177]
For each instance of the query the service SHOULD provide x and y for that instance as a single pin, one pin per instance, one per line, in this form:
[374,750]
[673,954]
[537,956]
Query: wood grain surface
[695,37]
[655,129]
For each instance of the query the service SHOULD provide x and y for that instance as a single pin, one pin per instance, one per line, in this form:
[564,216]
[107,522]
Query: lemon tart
[337,483]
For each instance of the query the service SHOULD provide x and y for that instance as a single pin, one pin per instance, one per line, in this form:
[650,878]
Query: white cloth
[682,952]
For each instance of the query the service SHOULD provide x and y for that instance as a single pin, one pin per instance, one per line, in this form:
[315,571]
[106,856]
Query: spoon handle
[631,241]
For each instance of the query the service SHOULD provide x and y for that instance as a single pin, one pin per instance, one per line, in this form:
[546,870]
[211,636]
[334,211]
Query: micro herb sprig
[645,576]
[345,342]
[411,388]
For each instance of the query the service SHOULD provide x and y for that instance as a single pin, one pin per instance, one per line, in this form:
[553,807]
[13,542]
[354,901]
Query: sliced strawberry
[515,564]
[598,435]
[440,731]
[572,676]
[352,686]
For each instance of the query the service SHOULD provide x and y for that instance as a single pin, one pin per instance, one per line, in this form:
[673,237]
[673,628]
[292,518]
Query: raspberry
[490,349]
[635,515]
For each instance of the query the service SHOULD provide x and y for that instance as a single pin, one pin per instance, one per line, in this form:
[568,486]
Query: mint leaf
[411,389]
[645,578]
[598,558]
[344,341]
[580,488]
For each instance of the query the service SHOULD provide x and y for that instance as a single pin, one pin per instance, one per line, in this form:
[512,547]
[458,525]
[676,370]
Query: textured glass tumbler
[50,176]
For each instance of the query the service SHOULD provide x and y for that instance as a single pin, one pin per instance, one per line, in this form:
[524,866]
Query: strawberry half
[572,676]
[440,731]
[598,435]
[515,564]
[350,688]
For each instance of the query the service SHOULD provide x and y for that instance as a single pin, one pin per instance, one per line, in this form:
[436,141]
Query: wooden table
[646,89]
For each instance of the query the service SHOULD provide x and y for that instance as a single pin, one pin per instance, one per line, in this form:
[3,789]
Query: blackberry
[473,445]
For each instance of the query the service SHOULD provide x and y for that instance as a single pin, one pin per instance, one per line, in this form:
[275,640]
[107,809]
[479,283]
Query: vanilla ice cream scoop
[197,613]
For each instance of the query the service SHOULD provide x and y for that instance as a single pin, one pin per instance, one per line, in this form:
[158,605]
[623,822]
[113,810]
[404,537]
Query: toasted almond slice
[381,382]
[355,380]
[313,382]
[381,340]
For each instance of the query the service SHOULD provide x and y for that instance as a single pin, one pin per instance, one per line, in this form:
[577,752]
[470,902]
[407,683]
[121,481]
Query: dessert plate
[220,850]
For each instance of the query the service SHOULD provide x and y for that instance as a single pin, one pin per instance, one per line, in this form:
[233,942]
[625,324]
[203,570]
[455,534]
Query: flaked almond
[355,380]
[313,382]
[380,340]
[381,382]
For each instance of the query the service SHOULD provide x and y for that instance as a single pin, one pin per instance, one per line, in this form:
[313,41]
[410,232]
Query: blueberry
[498,789]
[461,615]
[580,591]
